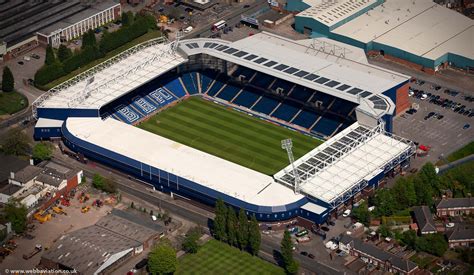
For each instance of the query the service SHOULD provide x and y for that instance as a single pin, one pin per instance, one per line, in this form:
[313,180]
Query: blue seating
[246,98]
[228,92]
[215,87]
[265,105]
[248,73]
[205,82]
[190,82]
[175,87]
[326,126]
[342,107]
[144,105]
[262,80]
[305,118]
[285,85]
[324,98]
[286,111]
[301,93]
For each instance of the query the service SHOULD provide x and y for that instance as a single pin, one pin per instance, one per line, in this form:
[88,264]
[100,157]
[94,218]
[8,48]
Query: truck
[38,249]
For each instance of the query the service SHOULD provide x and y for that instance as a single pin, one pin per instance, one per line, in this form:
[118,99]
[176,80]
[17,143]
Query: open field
[12,102]
[219,258]
[229,134]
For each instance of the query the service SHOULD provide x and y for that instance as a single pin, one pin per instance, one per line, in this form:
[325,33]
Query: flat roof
[48,123]
[420,27]
[113,78]
[354,155]
[314,208]
[333,12]
[186,162]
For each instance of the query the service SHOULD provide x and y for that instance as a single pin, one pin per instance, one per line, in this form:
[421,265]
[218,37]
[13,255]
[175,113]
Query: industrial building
[99,248]
[26,24]
[421,33]
[312,86]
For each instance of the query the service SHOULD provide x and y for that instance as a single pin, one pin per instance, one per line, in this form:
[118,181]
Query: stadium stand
[247,97]
[190,81]
[175,87]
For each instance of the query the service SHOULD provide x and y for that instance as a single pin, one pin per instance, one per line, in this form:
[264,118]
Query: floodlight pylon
[287,144]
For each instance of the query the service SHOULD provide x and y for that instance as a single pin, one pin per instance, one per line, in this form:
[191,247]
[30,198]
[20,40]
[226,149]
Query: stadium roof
[186,162]
[342,165]
[330,13]
[420,27]
[296,62]
[114,77]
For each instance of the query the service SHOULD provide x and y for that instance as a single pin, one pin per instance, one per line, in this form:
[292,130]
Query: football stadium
[205,119]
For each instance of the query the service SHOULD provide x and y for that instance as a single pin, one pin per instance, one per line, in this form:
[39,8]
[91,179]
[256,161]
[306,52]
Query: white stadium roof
[333,12]
[114,77]
[344,162]
[286,59]
[420,27]
[205,169]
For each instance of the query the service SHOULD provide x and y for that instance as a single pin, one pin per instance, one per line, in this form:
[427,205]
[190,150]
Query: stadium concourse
[316,87]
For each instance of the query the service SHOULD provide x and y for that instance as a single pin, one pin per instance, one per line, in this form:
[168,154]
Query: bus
[218,26]
[301,233]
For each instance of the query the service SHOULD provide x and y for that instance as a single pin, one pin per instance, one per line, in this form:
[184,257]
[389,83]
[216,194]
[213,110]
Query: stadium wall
[168,182]
[41,133]
[64,113]
[399,95]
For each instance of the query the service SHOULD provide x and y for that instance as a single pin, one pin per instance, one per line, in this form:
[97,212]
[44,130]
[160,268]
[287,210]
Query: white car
[346,213]
[153,217]
[331,245]
[450,225]
[424,96]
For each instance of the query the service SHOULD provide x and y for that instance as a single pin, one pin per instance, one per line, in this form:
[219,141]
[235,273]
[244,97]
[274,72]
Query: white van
[346,213]
[188,29]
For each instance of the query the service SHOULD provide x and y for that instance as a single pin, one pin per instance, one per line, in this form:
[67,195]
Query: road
[183,209]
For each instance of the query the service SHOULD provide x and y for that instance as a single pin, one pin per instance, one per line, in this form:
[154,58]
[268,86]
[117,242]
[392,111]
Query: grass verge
[12,102]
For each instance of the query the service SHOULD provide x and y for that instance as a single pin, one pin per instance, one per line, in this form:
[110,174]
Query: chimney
[12,175]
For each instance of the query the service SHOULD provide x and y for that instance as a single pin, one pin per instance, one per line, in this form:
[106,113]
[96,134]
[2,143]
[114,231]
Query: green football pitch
[228,134]
[218,258]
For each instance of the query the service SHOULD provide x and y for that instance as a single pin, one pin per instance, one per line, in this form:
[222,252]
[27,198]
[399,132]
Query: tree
[8,83]
[231,227]
[16,142]
[409,238]
[428,175]
[48,73]
[88,39]
[287,254]
[243,230]
[42,151]
[190,244]
[127,18]
[50,59]
[64,53]
[162,259]
[254,237]
[434,244]
[362,213]
[98,181]
[384,231]
[424,193]
[385,202]
[15,212]
[404,193]
[220,221]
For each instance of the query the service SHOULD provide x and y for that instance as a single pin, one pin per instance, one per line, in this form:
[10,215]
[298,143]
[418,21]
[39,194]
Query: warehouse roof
[186,162]
[420,27]
[333,12]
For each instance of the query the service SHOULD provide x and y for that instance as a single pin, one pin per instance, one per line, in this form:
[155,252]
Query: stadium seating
[286,111]
[190,82]
[228,93]
[175,87]
[243,71]
[305,118]
[247,97]
[301,93]
[149,99]
[265,105]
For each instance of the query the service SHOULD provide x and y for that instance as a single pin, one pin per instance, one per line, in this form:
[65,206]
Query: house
[454,207]
[424,220]
[380,258]
[461,236]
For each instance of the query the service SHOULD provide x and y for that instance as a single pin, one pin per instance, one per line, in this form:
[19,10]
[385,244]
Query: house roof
[455,203]
[424,219]
[10,189]
[26,174]
[380,254]
[461,233]
[10,164]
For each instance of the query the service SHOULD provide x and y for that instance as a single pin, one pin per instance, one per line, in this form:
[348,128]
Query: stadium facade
[419,33]
[311,86]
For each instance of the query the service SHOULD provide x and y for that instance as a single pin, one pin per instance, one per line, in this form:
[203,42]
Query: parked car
[311,256]
[346,213]
[304,253]
[331,245]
